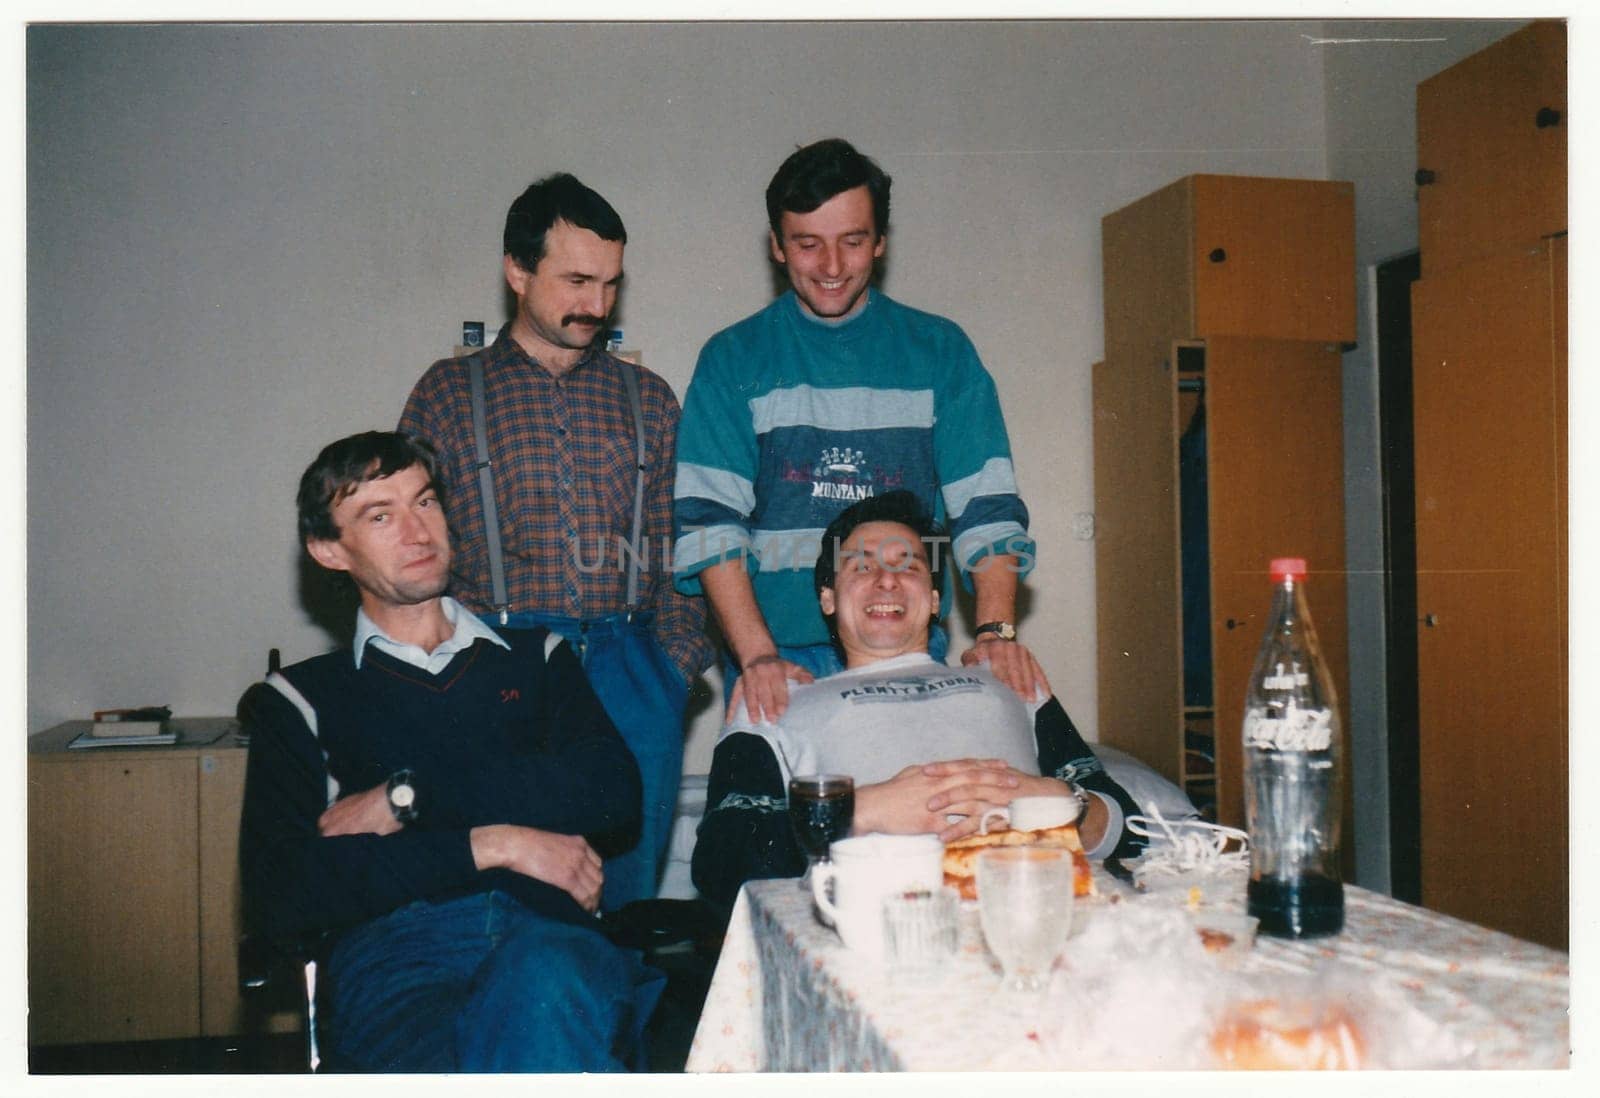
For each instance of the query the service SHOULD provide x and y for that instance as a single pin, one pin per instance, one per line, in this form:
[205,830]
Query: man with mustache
[561,424]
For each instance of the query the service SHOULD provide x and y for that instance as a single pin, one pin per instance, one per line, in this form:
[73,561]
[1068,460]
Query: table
[787,996]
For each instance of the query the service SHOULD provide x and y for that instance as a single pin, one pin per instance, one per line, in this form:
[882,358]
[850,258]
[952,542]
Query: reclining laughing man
[931,747]
[433,799]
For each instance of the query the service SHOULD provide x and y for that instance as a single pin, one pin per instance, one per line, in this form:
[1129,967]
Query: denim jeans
[481,983]
[823,660]
[644,695]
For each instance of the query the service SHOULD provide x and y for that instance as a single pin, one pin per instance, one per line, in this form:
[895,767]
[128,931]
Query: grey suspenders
[485,467]
[491,514]
[630,379]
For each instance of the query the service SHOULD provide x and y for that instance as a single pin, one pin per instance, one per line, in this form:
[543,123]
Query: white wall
[247,241]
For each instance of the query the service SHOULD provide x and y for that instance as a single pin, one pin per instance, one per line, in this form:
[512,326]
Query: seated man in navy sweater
[931,747]
[435,799]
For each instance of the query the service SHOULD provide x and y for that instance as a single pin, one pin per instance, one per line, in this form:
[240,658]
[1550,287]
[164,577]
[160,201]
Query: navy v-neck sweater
[497,737]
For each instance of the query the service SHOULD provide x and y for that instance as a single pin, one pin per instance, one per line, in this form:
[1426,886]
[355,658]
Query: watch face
[402,796]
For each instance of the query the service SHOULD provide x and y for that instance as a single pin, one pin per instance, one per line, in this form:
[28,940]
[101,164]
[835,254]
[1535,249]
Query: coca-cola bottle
[1292,776]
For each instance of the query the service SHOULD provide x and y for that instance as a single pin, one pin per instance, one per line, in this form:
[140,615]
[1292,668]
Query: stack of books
[128,728]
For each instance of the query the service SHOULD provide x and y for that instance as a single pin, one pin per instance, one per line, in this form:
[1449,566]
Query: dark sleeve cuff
[745,834]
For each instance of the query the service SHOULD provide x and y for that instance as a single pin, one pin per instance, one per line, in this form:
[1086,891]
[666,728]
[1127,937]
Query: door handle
[1430,620]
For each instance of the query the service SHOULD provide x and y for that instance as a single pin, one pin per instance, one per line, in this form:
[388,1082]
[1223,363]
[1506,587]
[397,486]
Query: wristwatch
[402,792]
[1082,796]
[1002,629]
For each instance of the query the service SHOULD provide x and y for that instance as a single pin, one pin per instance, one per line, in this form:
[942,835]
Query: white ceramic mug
[850,888]
[1033,813]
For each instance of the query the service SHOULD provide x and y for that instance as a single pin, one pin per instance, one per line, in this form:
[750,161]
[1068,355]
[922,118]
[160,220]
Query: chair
[654,926]
[682,939]
[266,969]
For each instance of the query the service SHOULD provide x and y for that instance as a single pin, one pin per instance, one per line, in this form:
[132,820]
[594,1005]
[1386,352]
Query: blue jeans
[481,983]
[823,660]
[644,695]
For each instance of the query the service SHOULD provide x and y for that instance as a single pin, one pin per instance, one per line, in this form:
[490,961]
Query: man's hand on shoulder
[1011,663]
[763,686]
[566,861]
[365,813]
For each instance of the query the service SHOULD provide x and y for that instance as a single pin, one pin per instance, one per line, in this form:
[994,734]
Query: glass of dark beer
[821,807]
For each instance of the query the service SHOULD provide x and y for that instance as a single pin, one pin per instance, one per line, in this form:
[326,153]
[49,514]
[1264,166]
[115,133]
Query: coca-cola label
[1296,730]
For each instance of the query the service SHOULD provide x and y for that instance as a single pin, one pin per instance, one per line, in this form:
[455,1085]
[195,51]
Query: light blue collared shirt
[468,629]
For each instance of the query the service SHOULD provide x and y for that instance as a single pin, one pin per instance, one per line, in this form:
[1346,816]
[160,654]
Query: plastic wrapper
[1286,1022]
[1137,990]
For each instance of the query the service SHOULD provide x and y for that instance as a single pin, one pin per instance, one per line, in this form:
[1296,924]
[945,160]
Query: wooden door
[113,898]
[1275,474]
[221,910]
[1147,274]
[1489,381]
[1273,258]
[1492,131]
[1137,597]
[1558,352]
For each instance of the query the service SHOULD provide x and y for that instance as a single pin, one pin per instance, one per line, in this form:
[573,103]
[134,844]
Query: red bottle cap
[1283,568]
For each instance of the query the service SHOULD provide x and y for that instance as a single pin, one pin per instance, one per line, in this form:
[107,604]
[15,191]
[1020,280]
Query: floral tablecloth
[787,996]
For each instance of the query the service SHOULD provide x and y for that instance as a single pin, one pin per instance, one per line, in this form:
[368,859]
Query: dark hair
[816,173]
[558,197]
[345,465]
[899,506]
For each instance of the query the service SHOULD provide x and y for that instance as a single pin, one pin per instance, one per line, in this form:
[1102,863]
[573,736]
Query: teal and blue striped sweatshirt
[789,420]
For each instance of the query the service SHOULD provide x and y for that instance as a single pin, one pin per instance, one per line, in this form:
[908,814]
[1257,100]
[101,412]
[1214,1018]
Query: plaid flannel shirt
[564,457]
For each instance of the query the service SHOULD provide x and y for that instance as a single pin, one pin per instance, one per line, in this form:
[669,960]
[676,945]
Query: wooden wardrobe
[1227,297]
[1489,376]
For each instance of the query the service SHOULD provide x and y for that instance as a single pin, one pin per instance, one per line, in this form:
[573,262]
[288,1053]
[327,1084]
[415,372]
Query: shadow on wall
[329,600]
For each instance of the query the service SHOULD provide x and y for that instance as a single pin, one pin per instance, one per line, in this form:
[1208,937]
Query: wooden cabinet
[1489,384]
[1275,478]
[1252,344]
[1492,149]
[1230,255]
[113,898]
[133,888]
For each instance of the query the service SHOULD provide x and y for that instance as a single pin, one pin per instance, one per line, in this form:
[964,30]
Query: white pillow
[1144,785]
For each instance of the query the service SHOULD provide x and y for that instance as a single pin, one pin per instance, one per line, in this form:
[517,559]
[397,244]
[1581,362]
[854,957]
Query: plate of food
[961,856]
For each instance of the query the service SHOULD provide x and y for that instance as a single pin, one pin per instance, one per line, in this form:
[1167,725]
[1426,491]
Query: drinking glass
[821,808]
[1025,906]
[920,930]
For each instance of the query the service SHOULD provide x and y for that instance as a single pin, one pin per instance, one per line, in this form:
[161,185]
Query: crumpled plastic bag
[1329,1021]
[1136,990]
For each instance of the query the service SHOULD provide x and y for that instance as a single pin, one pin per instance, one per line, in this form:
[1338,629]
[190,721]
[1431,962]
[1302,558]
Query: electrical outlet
[1083,526]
